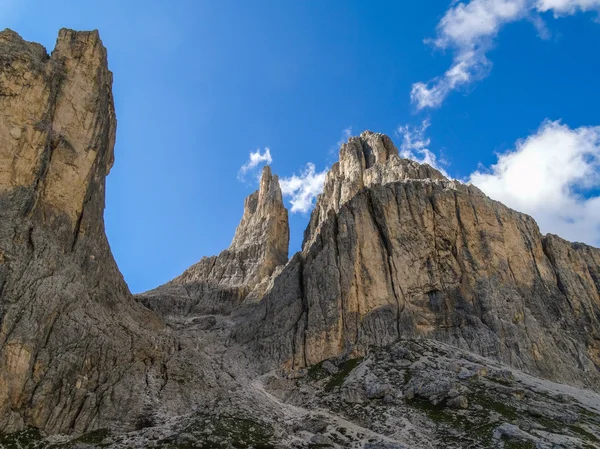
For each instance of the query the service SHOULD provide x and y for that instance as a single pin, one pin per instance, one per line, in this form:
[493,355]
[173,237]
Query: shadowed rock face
[75,347]
[393,250]
[219,283]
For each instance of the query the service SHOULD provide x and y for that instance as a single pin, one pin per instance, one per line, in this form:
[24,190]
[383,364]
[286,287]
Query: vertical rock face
[217,284]
[74,345]
[58,124]
[264,231]
[396,250]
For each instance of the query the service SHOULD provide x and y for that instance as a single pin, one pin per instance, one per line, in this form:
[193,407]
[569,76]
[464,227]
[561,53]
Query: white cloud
[302,189]
[562,7]
[256,159]
[469,29]
[415,145]
[551,175]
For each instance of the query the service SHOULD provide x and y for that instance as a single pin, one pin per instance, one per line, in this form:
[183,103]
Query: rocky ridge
[414,303]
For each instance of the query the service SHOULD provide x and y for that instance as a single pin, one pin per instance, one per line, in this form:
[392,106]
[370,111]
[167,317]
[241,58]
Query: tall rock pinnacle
[264,228]
[216,284]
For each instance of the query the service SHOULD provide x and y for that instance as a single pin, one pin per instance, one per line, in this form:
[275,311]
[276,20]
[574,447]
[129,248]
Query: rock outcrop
[218,284]
[75,347]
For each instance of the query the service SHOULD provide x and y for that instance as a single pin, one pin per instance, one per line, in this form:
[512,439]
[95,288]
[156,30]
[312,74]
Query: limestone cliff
[75,347]
[219,283]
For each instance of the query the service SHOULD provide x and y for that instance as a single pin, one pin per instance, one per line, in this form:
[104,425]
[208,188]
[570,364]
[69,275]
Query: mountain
[419,312]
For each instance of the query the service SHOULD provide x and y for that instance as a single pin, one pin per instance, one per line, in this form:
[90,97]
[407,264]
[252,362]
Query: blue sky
[199,85]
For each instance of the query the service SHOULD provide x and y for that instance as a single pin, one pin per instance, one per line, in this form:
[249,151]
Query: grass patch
[223,432]
[316,372]
[345,369]
[26,439]
[511,444]
[93,437]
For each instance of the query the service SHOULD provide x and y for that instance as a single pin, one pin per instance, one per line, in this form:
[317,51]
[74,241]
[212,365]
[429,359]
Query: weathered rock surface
[373,336]
[219,283]
[368,160]
[426,404]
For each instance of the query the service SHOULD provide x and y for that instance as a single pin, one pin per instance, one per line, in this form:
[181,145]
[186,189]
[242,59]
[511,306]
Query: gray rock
[511,432]
[466,373]
[330,367]
[321,440]
[375,389]
[458,402]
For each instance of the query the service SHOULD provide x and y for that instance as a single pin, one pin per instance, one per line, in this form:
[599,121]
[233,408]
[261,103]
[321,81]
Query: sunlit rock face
[394,249]
[367,160]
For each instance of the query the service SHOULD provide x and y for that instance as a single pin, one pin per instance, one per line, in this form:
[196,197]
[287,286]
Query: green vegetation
[345,369]
[213,432]
[316,372]
[511,444]
[25,439]
[94,438]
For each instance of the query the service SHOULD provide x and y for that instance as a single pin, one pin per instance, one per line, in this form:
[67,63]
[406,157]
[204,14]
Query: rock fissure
[388,254]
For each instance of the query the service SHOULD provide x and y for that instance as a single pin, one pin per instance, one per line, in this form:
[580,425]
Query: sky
[500,93]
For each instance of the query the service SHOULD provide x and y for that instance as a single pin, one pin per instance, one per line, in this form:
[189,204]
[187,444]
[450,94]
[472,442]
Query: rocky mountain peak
[406,319]
[218,283]
[58,123]
[265,219]
[364,161]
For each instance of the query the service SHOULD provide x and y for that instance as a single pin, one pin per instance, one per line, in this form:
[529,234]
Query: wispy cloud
[468,29]
[332,153]
[255,160]
[346,134]
[553,175]
[302,189]
[415,145]
[567,7]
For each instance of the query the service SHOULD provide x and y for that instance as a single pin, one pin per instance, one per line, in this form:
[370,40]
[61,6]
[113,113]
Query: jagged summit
[259,246]
[367,160]
[265,221]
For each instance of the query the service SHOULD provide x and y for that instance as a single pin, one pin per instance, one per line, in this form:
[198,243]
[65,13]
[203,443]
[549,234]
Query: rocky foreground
[419,313]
